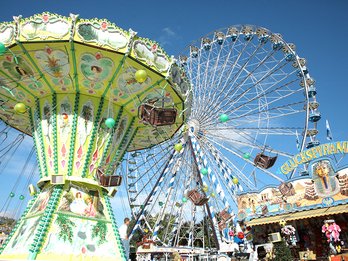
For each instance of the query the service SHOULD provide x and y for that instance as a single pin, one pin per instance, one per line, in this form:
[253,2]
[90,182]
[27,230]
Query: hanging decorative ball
[240,235]
[21,197]
[246,155]
[205,188]
[2,48]
[65,116]
[184,200]
[160,203]
[212,195]
[141,76]
[12,194]
[110,123]
[282,222]
[178,147]
[224,117]
[235,181]
[20,107]
[231,233]
[204,171]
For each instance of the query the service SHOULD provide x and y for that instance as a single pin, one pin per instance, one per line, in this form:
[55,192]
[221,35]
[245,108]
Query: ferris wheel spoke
[230,72]
[231,104]
[246,160]
[229,82]
[250,145]
[283,131]
[233,81]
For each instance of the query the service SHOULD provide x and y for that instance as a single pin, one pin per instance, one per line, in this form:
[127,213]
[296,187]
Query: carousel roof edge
[302,214]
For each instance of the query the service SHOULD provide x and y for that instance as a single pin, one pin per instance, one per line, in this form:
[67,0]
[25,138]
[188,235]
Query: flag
[328,131]
[297,142]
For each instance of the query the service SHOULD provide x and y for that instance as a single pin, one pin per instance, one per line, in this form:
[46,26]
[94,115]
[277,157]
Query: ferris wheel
[252,105]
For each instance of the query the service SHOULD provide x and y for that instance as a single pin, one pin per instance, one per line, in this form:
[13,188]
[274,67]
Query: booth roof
[299,215]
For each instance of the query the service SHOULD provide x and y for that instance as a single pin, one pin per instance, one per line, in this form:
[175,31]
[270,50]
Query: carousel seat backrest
[263,161]
[224,215]
[197,198]
[108,180]
[157,116]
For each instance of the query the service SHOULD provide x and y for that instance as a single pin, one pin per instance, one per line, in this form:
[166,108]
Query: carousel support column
[108,144]
[117,157]
[19,221]
[45,222]
[91,142]
[73,134]
[35,142]
[40,136]
[114,226]
[54,128]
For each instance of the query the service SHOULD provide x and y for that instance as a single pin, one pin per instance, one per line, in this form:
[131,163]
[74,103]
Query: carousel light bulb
[184,200]
[21,197]
[178,147]
[110,123]
[12,194]
[204,171]
[246,155]
[2,48]
[235,181]
[141,76]
[20,107]
[205,188]
[224,117]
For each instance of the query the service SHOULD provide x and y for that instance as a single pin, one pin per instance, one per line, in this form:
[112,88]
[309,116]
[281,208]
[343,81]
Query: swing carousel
[86,91]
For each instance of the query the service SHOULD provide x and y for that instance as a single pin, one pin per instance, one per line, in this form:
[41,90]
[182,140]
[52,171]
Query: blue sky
[317,27]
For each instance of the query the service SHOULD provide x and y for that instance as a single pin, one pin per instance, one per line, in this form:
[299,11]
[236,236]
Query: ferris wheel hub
[194,127]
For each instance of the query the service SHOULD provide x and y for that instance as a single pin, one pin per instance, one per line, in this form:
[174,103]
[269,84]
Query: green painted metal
[73,134]
[12,80]
[116,155]
[106,150]
[19,221]
[42,76]
[76,78]
[45,221]
[35,141]
[55,138]
[146,90]
[92,139]
[41,142]
[114,226]
[114,75]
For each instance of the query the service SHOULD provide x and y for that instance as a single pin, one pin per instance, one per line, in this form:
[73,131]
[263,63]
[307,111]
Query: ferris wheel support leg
[211,218]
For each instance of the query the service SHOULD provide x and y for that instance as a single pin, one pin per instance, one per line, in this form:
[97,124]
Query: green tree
[282,252]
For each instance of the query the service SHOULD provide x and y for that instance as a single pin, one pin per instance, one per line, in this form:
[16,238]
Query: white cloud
[168,36]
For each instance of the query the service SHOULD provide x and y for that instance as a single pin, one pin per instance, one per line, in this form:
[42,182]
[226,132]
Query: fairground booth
[309,212]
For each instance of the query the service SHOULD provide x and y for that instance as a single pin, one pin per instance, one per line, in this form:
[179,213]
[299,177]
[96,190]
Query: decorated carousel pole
[87,92]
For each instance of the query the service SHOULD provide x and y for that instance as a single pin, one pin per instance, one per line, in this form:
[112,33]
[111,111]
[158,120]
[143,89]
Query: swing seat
[197,198]
[263,161]
[108,180]
[224,215]
[157,116]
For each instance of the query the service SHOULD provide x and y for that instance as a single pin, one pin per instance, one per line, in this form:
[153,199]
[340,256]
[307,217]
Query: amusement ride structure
[103,104]
[78,87]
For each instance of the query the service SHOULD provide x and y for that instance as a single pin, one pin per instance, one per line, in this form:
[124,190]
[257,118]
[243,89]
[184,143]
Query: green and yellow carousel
[87,92]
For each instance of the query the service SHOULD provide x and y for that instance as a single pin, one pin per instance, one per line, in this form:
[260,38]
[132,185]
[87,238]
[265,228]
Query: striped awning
[299,215]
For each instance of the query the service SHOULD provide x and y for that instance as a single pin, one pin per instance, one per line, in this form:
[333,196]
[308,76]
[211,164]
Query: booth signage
[314,153]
